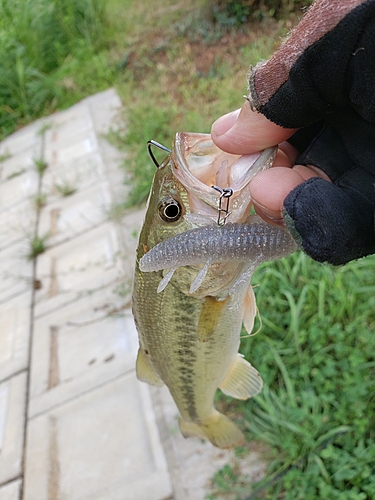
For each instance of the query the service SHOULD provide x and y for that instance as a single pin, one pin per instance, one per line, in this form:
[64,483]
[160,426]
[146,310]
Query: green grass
[315,353]
[43,42]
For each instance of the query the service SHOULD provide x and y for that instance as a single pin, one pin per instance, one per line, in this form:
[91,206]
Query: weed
[237,12]
[225,478]
[40,165]
[65,188]
[228,483]
[233,14]
[40,200]
[43,129]
[16,173]
[4,157]
[37,246]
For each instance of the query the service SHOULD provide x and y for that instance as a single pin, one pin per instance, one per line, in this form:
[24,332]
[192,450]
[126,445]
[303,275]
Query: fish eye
[169,209]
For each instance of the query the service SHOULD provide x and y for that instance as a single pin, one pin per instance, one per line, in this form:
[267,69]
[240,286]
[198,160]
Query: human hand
[331,221]
[245,131]
[320,82]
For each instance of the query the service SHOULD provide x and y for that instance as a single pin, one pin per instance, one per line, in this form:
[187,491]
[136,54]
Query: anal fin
[190,429]
[145,372]
[242,381]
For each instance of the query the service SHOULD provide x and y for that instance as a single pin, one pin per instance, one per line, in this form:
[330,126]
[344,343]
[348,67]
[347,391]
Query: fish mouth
[199,164]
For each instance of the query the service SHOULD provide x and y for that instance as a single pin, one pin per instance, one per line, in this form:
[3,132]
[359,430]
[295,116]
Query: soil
[201,50]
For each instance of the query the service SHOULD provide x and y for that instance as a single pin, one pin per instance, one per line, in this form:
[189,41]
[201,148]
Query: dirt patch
[199,49]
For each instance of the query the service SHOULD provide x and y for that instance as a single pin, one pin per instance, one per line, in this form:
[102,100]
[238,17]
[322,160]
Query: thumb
[245,131]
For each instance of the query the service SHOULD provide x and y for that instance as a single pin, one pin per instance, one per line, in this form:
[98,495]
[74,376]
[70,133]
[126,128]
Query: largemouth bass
[192,281]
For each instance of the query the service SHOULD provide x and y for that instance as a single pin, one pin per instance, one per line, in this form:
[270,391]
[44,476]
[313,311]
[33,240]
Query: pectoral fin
[249,310]
[190,429]
[145,372]
[243,380]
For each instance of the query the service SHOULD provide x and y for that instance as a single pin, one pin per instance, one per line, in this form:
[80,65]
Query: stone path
[75,423]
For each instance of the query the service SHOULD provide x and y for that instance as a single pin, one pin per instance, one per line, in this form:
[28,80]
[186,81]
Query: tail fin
[218,429]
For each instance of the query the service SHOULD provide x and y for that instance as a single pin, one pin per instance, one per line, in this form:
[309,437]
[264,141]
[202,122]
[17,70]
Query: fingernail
[225,122]
[273,216]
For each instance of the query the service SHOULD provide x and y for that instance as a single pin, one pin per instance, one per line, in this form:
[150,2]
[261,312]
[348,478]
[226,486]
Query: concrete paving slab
[24,139]
[18,189]
[14,335]
[82,173]
[16,164]
[112,159]
[69,216]
[87,263]
[65,127]
[84,143]
[17,223]
[16,271]
[100,110]
[105,108]
[103,445]
[129,228]
[11,491]
[12,421]
[79,347]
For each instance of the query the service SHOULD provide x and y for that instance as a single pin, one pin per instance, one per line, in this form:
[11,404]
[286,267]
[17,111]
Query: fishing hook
[157,145]
[224,193]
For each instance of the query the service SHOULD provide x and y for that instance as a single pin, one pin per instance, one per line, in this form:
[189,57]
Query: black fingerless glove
[332,222]
[322,81]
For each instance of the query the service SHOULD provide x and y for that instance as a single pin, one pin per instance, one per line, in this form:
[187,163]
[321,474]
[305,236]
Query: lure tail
[218,429]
